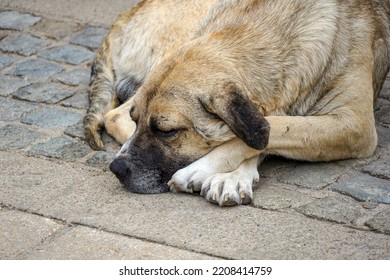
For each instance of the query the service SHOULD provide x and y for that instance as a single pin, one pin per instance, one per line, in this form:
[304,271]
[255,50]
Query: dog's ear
[240,114]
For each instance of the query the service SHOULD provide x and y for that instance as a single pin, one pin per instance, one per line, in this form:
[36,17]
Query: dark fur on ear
[241,115]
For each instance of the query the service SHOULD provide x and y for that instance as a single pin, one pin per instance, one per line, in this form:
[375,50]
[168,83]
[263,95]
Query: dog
[198,93]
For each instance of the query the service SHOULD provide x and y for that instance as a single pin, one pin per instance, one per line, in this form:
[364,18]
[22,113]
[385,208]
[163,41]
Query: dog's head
[182,113]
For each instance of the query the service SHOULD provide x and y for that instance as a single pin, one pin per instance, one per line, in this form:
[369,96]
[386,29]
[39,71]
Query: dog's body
[221,82]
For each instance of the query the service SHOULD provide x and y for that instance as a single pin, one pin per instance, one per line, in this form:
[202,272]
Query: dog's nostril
[119,168]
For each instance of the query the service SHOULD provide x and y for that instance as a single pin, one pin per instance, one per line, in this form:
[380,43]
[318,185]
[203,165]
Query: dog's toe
[246,196]
[190,179]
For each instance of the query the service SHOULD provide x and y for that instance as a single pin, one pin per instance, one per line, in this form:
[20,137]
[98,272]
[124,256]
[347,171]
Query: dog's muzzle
[137,179]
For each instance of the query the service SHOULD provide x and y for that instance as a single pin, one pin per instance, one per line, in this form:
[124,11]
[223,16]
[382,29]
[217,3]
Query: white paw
[191,178]
[228,189]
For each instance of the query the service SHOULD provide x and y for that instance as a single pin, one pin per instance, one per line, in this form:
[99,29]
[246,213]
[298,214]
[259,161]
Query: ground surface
[58,201]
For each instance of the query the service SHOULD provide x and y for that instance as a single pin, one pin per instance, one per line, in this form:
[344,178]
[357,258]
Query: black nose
[120,168]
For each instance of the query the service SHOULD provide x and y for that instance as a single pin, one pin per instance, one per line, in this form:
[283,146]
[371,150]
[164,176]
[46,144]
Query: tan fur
[235,79]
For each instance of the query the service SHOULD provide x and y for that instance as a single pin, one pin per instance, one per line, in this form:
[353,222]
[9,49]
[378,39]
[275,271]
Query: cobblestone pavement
[44,74]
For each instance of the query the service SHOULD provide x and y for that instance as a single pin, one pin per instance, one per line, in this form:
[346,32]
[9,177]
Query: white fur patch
[191,178]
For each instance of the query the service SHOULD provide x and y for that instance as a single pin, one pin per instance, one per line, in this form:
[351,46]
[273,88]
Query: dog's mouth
[139,180]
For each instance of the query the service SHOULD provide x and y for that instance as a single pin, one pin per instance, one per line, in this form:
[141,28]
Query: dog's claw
[229,201]
[245,198]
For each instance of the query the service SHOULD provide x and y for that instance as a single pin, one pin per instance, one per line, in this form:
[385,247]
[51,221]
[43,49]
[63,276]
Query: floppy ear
[241,115]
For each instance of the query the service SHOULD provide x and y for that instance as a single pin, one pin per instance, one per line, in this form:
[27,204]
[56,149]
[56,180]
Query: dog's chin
[146,187]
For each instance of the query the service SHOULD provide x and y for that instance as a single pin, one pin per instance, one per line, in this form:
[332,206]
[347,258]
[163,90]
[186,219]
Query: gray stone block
[75,77]
[365,188]
[11,110]
[10,84]
[55,29]
[62,148]
[52,118]
[17,21]
[383,136]
[17,137]
[36,68]
[80,100]
[22,44]
[76,131]
[6,60]
[382,112]
[380,222]
[91,37]
[67,54]
[273,196]
[43,92]
[273,166]
[312,176]
[332,209]
[101,158]
[379,168]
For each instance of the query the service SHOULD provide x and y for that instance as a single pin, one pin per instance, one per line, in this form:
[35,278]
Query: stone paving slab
[22,231]
[36,68]
[79,100]
[10,84]
[379,168]
[365,188]
[380,222]
[92,198]
[55,29]
[17,137]
[52,118]
[11,110]
[43,92]
[91,37]
[5,60]
[17,21]
[101,13]
[333,209]
[311,176]
[80,242]
[273,196]
[22,44]
[75,77]
[61,147]
[67,54]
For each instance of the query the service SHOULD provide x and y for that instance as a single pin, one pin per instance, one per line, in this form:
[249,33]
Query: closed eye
[159,132]
[166,133]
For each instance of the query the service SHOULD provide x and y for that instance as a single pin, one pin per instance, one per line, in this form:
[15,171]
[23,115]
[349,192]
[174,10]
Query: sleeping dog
[199,91]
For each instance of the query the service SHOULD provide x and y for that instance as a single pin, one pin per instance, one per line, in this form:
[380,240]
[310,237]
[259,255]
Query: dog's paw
[191,178]
[229,189]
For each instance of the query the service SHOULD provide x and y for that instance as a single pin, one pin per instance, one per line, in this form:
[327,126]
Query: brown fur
[294,78]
